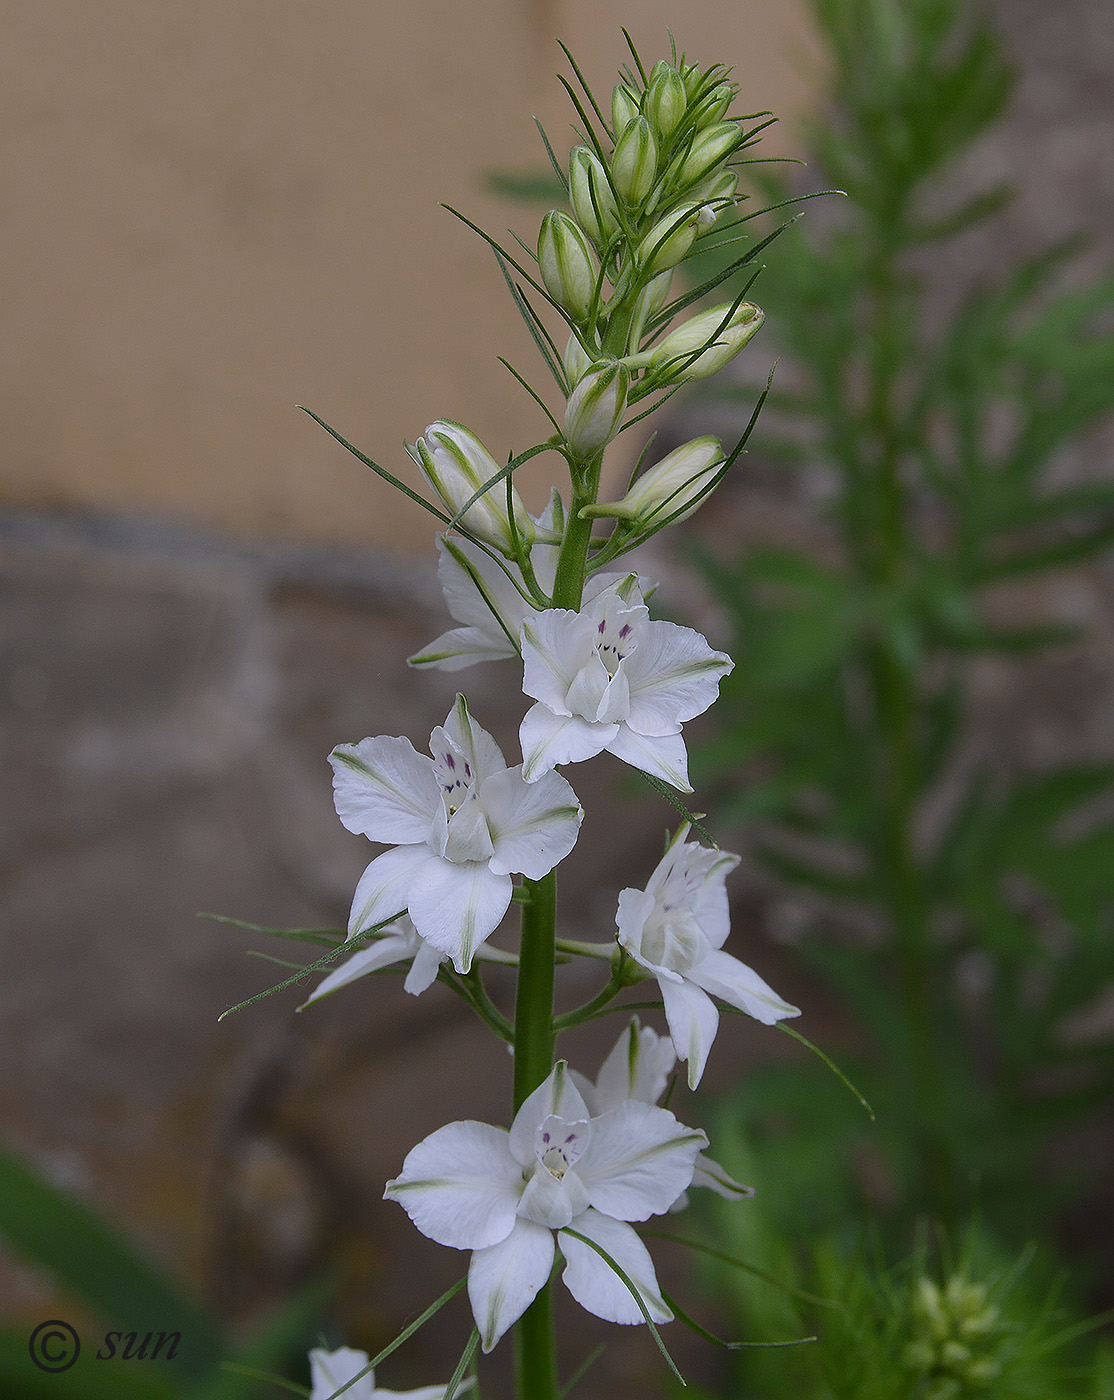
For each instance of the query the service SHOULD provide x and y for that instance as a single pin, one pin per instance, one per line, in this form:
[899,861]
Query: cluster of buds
[957,1333]
[643,193]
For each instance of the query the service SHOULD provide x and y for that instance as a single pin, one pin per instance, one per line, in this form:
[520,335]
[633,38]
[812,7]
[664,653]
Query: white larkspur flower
[485,598]
[460,823]
[608,678]
[329,1370]
[502,1194]
[398,942]
[676,928]
[638,1068]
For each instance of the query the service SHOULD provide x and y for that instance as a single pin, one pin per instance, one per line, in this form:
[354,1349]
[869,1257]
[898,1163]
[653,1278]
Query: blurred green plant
[844,731]
[110,1282]
[966,1322]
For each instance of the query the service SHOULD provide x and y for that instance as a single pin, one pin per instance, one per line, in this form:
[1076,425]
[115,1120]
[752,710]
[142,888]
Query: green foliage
[972,1322]
[937,414]
[124,1292]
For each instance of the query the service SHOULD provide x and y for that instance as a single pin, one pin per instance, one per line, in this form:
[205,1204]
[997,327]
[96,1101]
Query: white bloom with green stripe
[502,1195]
[460,823]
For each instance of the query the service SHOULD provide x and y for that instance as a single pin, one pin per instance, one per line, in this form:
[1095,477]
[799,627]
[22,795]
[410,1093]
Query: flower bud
[670,239]
[651,299]
[567,266]
[624,108]
[672,488]
[712,146]
[456,464]
[715,188]
[592,200]
[575,361]
[596,407]
[716,103]
[692,77]
[635,162]
[699,330]
[666,99]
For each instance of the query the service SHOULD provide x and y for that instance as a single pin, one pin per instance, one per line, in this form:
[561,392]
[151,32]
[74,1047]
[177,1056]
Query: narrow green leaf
[380,471]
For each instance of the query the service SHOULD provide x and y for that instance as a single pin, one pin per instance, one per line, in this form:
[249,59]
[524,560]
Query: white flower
[456,464]
[638,1067]
[676,928]
[329,1370]
[480,595]
[608,678]
[398,942]
[461,823]
[473,1186]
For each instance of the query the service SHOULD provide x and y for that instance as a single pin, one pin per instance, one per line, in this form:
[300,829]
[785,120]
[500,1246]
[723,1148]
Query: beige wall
[213,210]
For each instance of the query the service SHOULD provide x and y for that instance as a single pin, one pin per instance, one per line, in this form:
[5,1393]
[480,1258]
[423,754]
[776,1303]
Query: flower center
[455,775]
[559,1146]
[613,643]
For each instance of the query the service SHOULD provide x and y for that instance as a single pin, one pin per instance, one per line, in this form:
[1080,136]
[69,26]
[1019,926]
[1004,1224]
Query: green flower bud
[670,239]
[624,108]
[726,340]
[596,407]
[692,78]
[635,162]
[456,464]
[715,188]
[567,266]
[666,99]
[575,361]
[672,488]
[715,104]
[592,200]
[712,146]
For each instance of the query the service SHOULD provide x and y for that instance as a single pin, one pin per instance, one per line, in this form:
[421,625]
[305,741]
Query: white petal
[455,907]
[384,789]
[553,1202]
[548,739]
[384,888]
[674,676]
[460,1186]
[391,948]
[636,908]
[480,750]
[638,1161]
[478,592]
[588,692]
[466,835]
[423,970]
[594,1283]
[329,1370]
[663,757]
[637,1068]
[423,1392]
[713,1176]
[533,825]
[504,1279]
[555,645]
[732,981]
[460,647]
[556,1097]
[693,1022]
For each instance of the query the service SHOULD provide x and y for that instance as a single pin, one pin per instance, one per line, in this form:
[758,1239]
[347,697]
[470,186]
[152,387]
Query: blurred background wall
[213,212]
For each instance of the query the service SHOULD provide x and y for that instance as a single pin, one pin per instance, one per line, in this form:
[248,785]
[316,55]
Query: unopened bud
[592,200]
[670,239]
[721,342]
[666,99]
[456,464]
[596,407]
[575,361]
[715,104]
[651,299]
[567,266]
[624,108]
[715,189]
[692,78]
[712,146]
[674,487]
[635,162]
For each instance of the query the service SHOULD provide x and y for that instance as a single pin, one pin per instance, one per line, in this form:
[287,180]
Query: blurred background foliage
[958,907]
